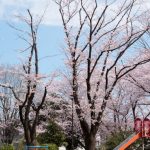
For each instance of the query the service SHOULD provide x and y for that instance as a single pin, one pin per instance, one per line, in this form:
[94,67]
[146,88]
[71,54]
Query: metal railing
[38,147]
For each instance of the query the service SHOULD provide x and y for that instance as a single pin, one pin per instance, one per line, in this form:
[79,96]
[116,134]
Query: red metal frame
[142,130]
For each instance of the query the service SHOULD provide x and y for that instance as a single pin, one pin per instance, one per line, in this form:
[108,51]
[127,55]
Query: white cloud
[9,8]
[52,16]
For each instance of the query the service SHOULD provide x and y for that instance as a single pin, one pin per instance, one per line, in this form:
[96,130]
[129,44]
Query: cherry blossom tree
[124,108]
[60,110]
[142,78]
[139,80]
[9,113]
[139,97]
[99,48]
[32,94]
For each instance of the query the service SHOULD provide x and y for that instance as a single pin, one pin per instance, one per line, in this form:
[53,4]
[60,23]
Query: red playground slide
[142,130]
[131,139]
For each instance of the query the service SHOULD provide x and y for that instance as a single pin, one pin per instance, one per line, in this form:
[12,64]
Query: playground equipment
[142,130]
[36,147]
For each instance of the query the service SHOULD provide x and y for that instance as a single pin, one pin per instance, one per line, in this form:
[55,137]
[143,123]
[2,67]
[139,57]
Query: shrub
[114,140]
[7,147]
[53,134]
[51,146]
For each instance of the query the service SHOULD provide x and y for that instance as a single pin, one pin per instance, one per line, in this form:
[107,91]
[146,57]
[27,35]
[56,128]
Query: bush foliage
[114,140]
[51,146]
[7,147]
[53,134]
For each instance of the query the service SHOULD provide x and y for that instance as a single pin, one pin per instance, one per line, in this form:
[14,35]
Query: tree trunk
[90,142]
[30,137]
